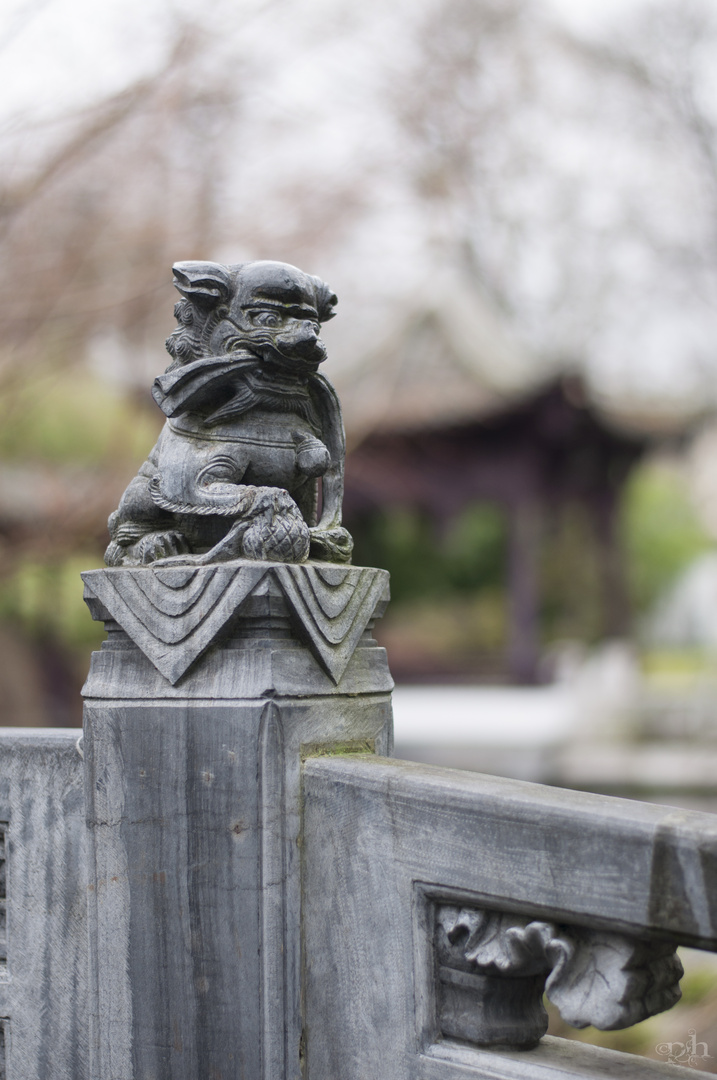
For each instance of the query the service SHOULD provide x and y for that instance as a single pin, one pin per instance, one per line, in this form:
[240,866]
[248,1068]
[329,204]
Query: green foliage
[475,549]
[676,667]
[661,531]
[570,587]
[448,592]
[699,983]
[455,584]
[65,423]
[451,627]
[45,600]
[72,418]
[469,557]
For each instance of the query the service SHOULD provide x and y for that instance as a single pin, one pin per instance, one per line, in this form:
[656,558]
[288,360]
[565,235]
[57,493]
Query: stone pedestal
[212,685]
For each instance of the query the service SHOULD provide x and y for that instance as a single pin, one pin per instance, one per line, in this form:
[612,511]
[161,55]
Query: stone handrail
[439,905]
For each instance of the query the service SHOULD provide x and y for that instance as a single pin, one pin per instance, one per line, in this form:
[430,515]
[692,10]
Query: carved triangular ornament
[174,614]
[332,606]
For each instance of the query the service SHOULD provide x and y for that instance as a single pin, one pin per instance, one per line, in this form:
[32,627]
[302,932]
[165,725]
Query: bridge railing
[439,906]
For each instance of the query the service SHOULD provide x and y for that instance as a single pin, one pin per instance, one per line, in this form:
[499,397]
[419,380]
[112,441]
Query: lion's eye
[266,318]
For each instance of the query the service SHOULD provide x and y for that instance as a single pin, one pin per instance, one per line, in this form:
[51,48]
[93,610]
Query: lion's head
[267,310]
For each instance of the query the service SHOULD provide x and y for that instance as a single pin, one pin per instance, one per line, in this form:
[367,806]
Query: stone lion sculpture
[253,443]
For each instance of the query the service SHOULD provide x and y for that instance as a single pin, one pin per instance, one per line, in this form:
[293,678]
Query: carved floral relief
[493,968]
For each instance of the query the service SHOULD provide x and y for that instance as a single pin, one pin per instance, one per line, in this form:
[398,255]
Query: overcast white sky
[60,53]
[57,53]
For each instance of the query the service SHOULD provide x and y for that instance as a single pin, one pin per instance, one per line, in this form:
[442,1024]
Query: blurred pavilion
[449,410]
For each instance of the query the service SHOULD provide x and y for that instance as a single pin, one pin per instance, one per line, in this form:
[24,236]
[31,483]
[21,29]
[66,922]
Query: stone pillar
[212,684]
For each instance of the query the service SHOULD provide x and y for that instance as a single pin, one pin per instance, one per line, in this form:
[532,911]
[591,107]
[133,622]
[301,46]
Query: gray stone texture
[43,967]
[493,967]
[388,844]
[174,614]
[250,462]
[193,798]
[229,658]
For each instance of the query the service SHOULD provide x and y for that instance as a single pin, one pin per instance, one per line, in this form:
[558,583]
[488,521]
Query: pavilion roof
[449,358]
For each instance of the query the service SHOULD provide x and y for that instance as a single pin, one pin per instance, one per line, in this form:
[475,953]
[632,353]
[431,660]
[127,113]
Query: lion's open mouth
[286,352]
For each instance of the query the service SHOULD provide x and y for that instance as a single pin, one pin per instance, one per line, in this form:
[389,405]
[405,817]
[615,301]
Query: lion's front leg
[140,531]
[148,548]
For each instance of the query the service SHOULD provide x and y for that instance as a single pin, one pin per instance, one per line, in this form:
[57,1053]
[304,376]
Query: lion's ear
[326,300]
[205,283]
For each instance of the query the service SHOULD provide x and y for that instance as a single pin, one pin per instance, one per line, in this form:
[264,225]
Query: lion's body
[248,437]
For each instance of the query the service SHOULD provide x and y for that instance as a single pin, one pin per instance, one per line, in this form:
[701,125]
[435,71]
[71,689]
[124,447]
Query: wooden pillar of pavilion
[524,539]
[616,615]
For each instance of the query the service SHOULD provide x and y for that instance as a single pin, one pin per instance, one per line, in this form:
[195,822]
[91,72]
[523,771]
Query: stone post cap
[174,614]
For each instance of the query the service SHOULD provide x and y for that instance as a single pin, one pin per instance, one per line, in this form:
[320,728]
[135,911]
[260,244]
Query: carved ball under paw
[283,539]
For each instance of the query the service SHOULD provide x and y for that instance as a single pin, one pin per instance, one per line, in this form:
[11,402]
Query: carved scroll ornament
[493,969]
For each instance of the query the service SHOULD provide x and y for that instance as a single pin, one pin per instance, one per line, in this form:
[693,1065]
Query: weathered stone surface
[552,1059]
[43,879]
[228,657]
[331,607]
[252,429]
[493,968]
[174,614]
[193,801]
[389,845]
